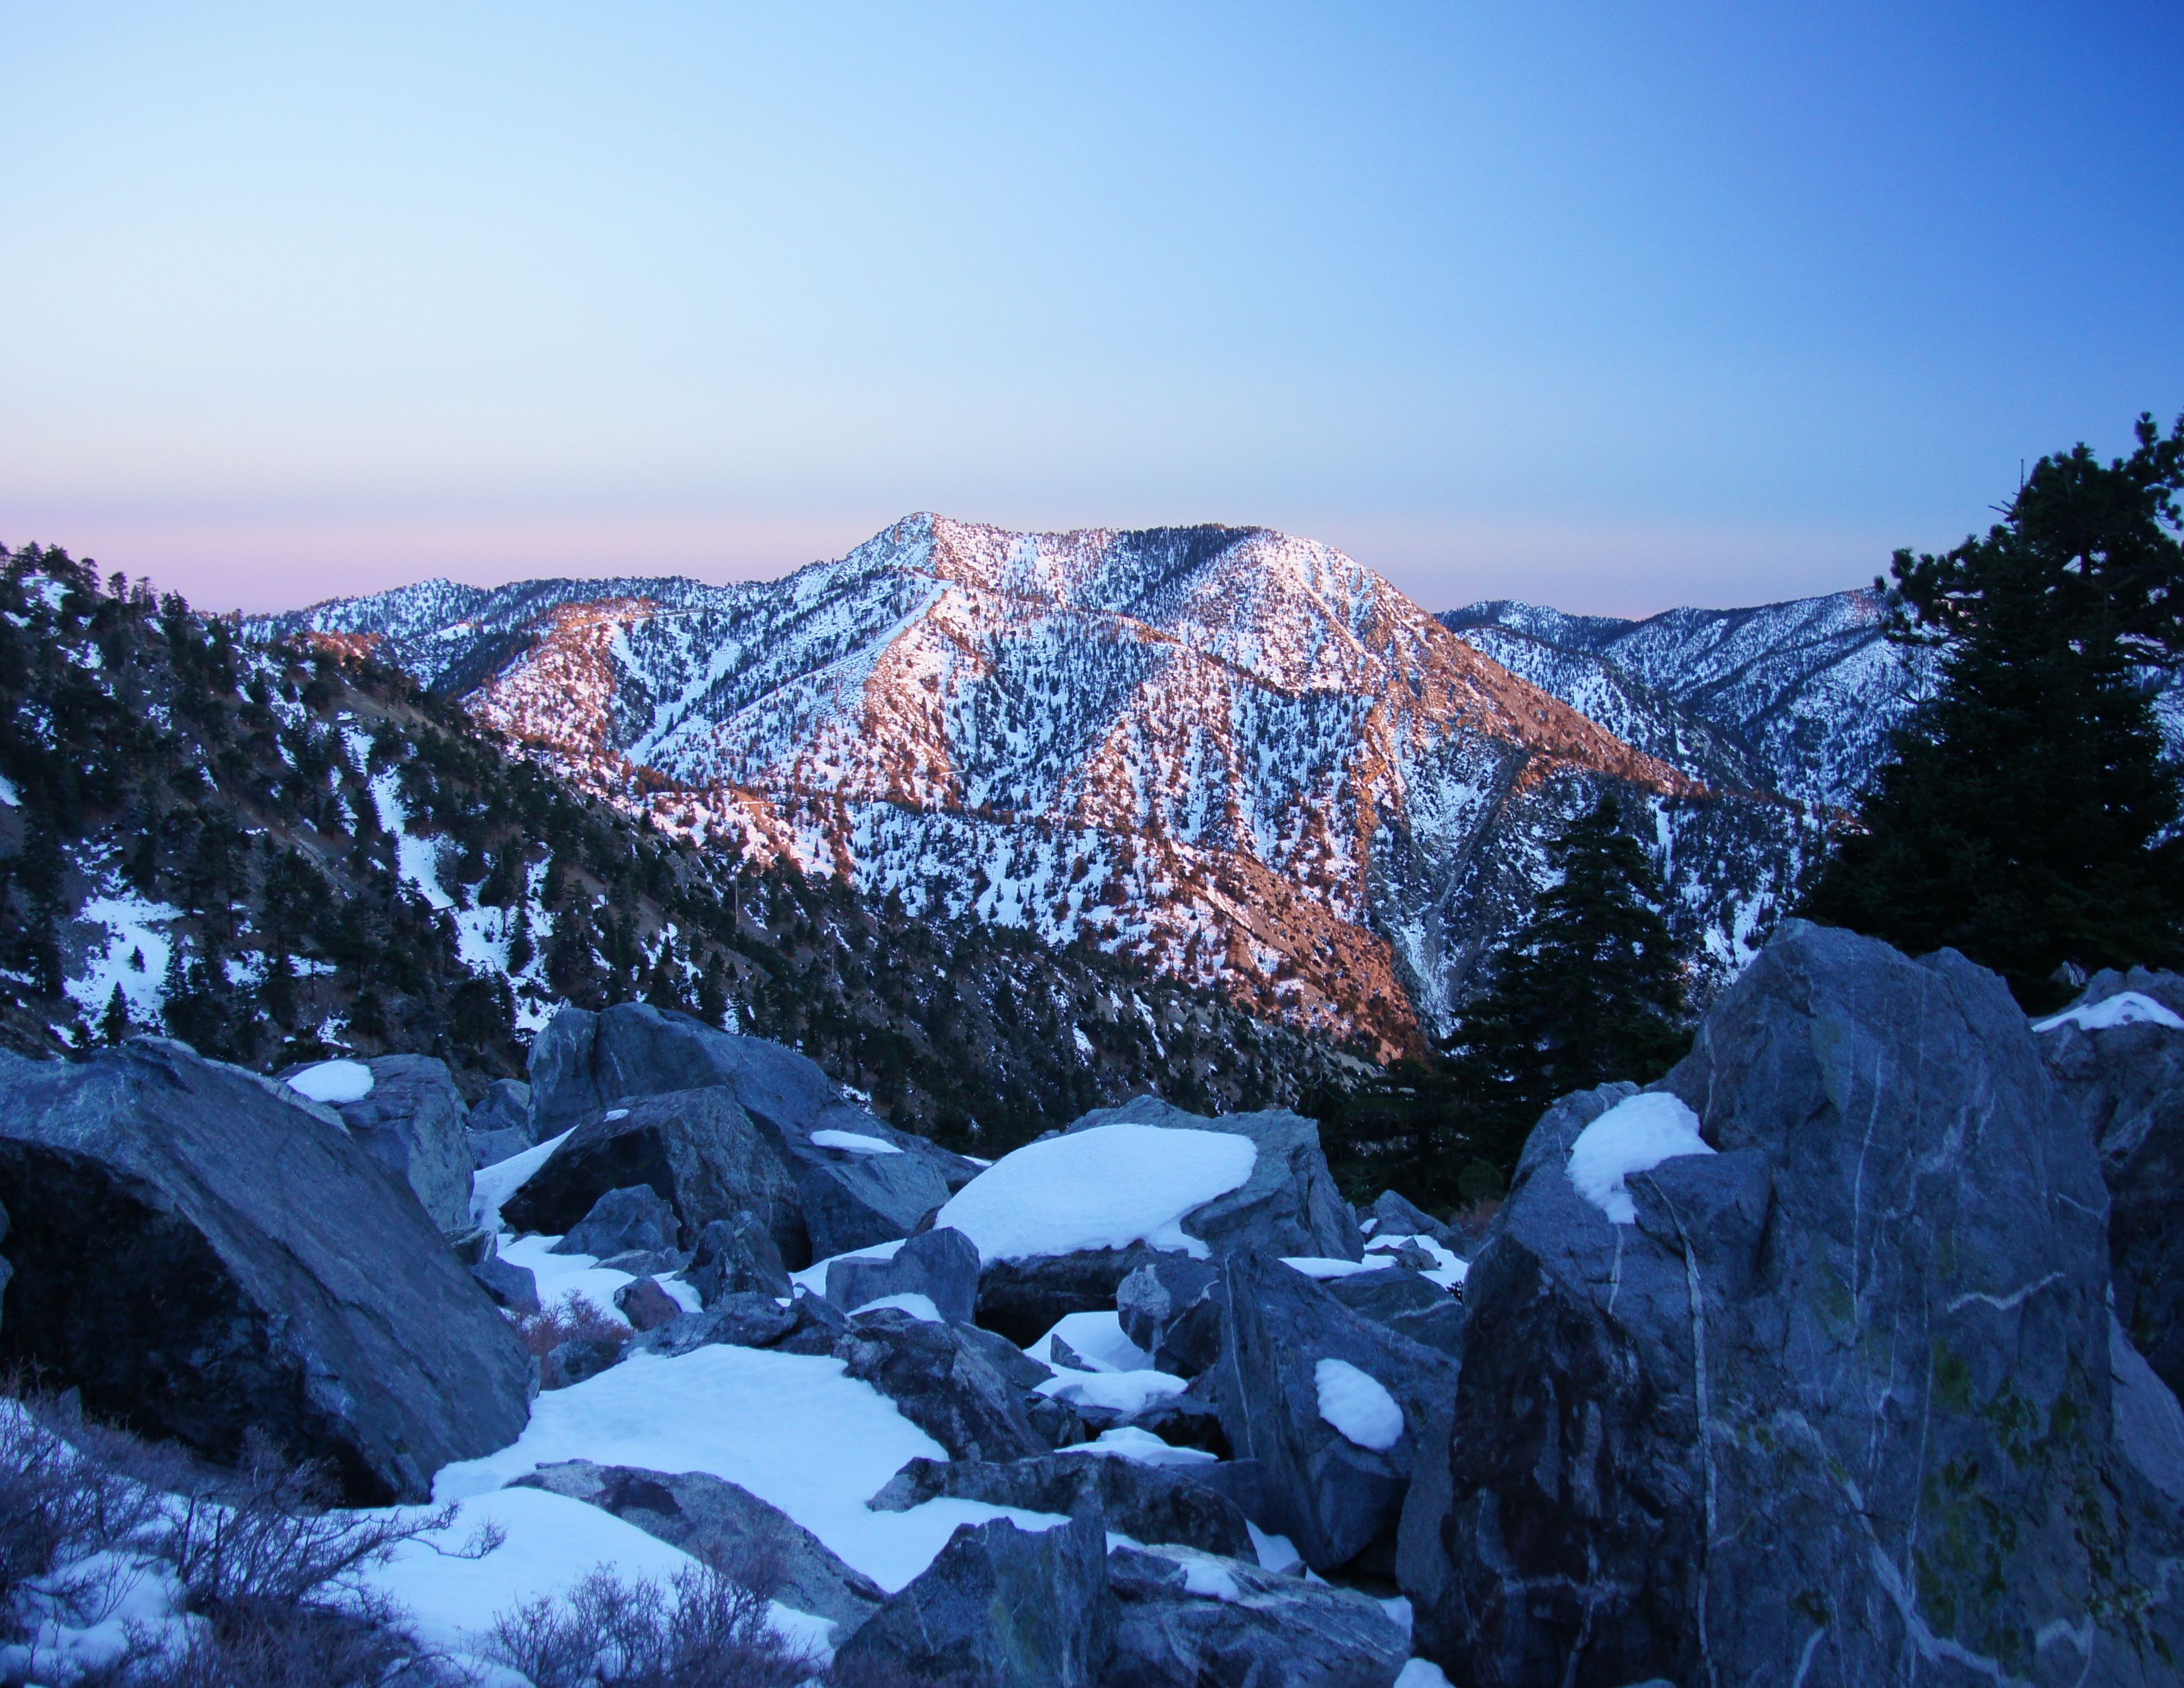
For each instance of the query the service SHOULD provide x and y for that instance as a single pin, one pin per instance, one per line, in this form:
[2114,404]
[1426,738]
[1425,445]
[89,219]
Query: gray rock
[511,1286]
[1149,1503]
[2149,1424]
[943,1384]
[1000,1607]
[1839,1403]
[737,1256]
[491,1148]
[740,1319]
[1289,1205]
[582,1063]
[697,1150]
[504,1107]
[578,1358]
[646,1262]
[817,1326]
[1185,1421]
[724,1523]
[1407,1302]
[1331,1496]
[201,1256]
[413,1122]
[645,1305]
[1260,1631]
[620,1221]
[1025,1298]
[1397,1216]
[1171,1308]
[941,1264]
[2126,1083]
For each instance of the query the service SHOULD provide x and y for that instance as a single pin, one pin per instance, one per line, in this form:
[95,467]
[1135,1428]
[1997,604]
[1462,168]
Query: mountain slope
[272,851]
[1236,755]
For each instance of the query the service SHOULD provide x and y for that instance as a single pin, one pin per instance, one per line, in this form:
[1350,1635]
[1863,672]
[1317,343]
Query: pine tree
[2023,817]
[115,1025]
[1590,989]
[520,949]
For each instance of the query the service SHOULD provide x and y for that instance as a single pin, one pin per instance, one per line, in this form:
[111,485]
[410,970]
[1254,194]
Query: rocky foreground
[1847,1354]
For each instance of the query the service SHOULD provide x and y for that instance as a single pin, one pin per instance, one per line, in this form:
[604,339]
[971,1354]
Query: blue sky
[1611,307]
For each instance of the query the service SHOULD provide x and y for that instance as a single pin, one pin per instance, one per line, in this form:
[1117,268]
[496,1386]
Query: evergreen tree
[521,949]
[2024,817]
[1590,989]
[115,1025]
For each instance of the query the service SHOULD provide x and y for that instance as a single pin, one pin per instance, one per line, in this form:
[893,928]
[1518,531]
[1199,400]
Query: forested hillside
[276,851]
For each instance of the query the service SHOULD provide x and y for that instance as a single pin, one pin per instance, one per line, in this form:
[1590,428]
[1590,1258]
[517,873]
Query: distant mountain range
[1240,756]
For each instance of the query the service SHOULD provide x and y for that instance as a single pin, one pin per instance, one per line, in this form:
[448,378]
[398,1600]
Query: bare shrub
[575,1318]
[703,1630]
[270,1646]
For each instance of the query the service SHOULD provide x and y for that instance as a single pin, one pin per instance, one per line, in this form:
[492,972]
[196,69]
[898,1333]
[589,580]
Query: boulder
[943,1384]
[724,1523]
[742,1319]
[1000,1606]
[621,1221]
[1407,1302]
[941,1264]
[202,1252]
[1827,1394]
[1148,1502]
[1289,1205]
[2126,1080]
[1170,1306]
[697,1150]
[412,1122]
[578,1358]
[737,1256]
[1329,1403]
[1184,1617]
[511,1286]
[859,1180]
[645,1305]
[505,1106]
[2149,1424]
[1398,1215]
[1024,1299]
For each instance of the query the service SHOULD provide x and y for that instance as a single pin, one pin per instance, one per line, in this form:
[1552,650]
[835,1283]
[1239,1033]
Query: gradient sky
[1611,307]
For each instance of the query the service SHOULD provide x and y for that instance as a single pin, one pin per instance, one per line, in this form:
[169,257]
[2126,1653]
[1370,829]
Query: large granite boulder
[1798,1368]
[500,1122]
[697,1150]
[1170,1306]
[1329,1403]
[1409,1303]
[1394,1215]
[203,1253]
[2120,1062]
[737,1256]
[724,1523]
[942,1384]
[860,1181]
[1165,1503]
[412,1120]
[1289,1205]
[1000,1606]
[1188,1619]
[632,1220]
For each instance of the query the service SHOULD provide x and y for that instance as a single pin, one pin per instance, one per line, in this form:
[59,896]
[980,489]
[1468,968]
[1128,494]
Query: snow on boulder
[201,1255]
[1634,1136]
[1103,1187]
[1288,1204]
[1357,1404]
[2125,1008]
[333,1081]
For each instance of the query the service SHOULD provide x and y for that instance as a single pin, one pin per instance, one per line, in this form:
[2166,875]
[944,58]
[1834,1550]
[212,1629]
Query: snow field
[1107,1187]
[1634,1136]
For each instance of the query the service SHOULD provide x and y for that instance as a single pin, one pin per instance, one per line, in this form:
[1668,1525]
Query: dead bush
[705,1629]
[576,1317]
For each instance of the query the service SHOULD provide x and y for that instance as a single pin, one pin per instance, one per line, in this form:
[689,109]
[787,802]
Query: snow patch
[855,1143]
[1634,1136]
[2126,1008]
[1320,1266]
[1126,1441]
[1107,1187]
[490,1186]
[334,1081]
[1358,1405]
[910,1301]
[1097,1337]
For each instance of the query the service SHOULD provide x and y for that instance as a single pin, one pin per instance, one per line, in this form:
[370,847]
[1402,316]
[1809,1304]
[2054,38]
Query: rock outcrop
[1164,1503]
[1000,1607]
[204,1253]
[944,1385]
[2123,1071]
[941,1264]
[413,1120]
[1825,1395]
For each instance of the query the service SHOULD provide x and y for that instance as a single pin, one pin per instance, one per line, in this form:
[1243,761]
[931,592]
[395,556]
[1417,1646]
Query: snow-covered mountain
[1239,754]
[1794,698]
